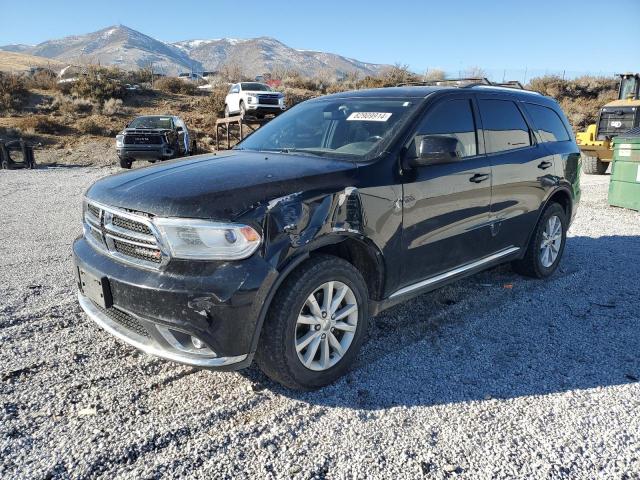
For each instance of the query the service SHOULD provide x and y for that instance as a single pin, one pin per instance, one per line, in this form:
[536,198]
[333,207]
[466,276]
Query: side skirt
[442,279]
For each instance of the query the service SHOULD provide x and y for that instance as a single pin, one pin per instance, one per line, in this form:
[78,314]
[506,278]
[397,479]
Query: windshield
[152,122]
[628,88]
[255,87]
[352,127]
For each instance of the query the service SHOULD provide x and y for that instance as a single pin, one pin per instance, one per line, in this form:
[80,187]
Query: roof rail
[435,83]
[464,83]
[510,84]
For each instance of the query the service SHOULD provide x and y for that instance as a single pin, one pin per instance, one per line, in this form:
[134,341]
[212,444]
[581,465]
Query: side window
[504,126]
[451,118]
[548,124]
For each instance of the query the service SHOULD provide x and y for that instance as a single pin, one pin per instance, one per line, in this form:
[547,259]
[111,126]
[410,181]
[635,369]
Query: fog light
[197,343]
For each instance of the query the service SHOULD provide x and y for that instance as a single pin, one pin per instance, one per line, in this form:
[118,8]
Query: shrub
[39,124]
[175,85]
[94,125]
[43,80]
[98,84]
[295,80]
[214,103]
[113,106]
[71,106]
[293,96]
[580,98]
[13,92]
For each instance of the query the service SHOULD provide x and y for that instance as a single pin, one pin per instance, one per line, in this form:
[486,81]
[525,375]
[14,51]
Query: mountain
[118,45]
[263,54]
[129,49]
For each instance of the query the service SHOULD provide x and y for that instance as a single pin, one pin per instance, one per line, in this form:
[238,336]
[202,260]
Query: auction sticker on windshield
[369,116]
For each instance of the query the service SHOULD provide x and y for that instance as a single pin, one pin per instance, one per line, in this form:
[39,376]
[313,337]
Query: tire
[277,355]
[125,163]
[4,162]
[534,264]
[243,110]
[593,166]
[226,111]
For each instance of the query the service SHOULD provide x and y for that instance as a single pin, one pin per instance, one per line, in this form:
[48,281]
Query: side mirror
[179,129]
[435,149]
[126,126]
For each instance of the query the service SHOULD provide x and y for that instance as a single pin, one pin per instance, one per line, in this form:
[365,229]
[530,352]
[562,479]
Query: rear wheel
[125,163]
[593,165]
[316,324]
[546,245]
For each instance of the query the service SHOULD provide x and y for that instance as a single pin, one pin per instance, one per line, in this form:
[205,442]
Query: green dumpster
[624,188]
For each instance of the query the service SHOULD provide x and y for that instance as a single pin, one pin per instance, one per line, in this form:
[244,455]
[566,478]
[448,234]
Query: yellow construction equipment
[615,118]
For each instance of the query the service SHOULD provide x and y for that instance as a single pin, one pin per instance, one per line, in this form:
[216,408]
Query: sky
[532,37]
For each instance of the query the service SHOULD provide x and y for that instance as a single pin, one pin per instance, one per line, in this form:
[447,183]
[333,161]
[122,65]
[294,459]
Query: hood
[146,130]
[262,92]
[219,187]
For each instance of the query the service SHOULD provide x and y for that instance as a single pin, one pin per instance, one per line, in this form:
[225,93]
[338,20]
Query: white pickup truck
[254,99]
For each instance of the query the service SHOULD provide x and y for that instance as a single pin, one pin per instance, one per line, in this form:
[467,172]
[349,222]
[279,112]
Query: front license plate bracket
[97,289]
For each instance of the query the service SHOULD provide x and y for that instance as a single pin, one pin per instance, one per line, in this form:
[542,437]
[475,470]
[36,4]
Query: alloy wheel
[551,241]
[326,326]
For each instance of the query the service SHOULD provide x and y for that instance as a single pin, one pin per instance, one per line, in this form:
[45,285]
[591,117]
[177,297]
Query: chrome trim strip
[454,272]
[136,341]
[111,233]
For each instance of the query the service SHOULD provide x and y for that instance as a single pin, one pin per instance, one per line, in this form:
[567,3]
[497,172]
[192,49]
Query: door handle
[544,165]
[479,177]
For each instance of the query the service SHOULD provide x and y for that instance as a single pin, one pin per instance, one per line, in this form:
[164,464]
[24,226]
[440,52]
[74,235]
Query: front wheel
[125,163]
[546,245]
[316,324]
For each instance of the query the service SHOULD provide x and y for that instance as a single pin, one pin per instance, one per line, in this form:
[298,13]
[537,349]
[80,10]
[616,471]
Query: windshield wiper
[296,150]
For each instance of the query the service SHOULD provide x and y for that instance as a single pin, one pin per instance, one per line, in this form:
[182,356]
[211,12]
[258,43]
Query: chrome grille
[128,224]
[141,253]
[127,236]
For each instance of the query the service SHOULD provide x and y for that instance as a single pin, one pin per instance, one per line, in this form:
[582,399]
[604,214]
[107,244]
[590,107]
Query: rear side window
[548,124]
[451,118]
[504,126]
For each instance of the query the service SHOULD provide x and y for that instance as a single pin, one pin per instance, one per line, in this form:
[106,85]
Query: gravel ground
[495,376]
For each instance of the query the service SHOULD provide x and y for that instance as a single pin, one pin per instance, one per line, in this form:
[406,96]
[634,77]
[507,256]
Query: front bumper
[145,152]
[267,109]
[158,312]
[151,344]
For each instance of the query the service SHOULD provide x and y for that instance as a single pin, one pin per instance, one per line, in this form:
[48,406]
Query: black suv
[153,137]
[281,249]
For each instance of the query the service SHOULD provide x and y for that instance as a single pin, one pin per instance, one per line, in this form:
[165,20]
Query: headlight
[205,240]
[119,140]
[252,99]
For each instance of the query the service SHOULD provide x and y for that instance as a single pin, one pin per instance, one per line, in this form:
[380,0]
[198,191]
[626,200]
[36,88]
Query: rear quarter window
[548,123]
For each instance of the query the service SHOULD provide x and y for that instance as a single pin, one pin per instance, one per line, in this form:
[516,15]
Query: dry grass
[70,106]
[580,99]
[13,92]
[175,85]
[39,124]
[99,84]
[19,62]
